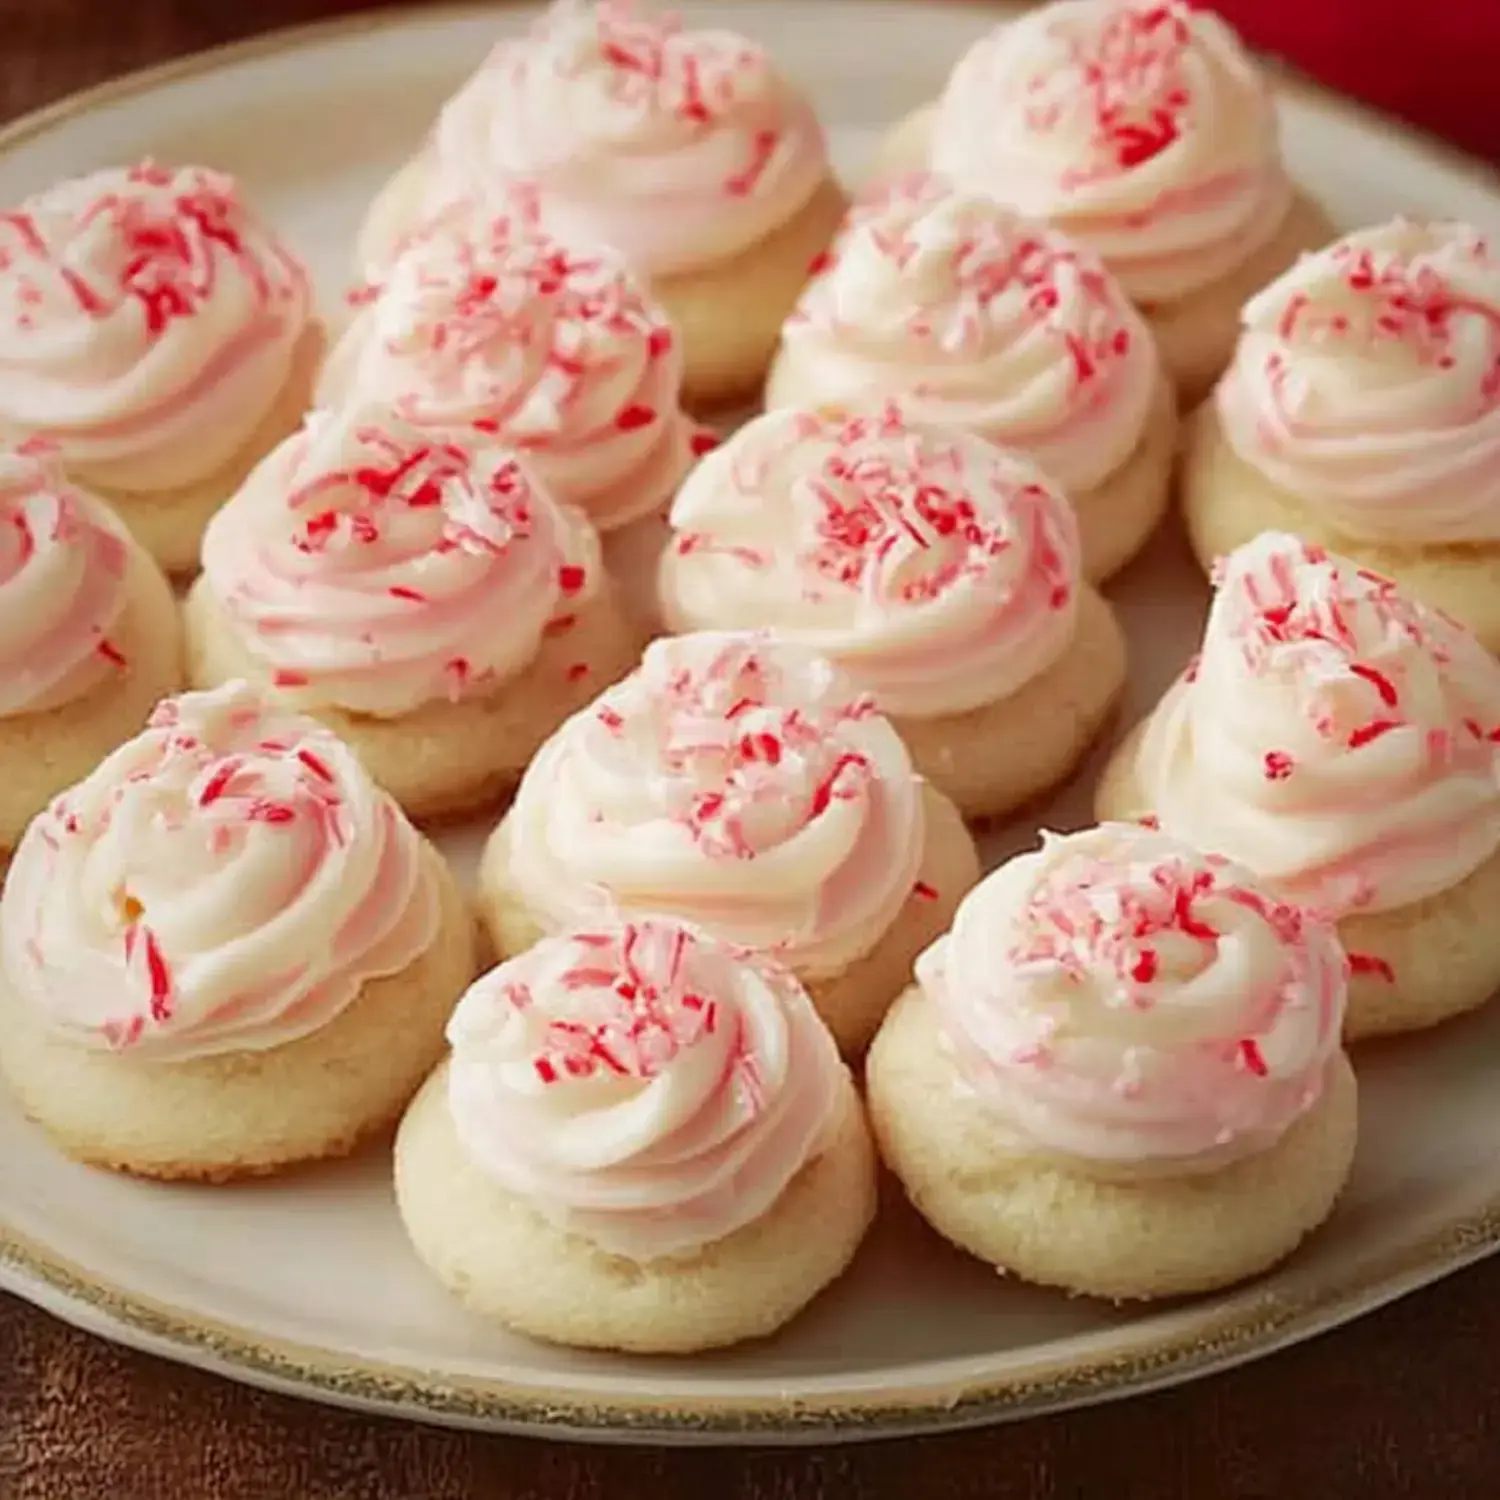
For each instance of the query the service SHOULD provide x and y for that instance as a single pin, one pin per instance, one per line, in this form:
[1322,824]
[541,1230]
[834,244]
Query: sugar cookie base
[45,753]
[1050,1221]
[247,1113]
[1000,756]
[1196,333]
[505,1261]
[170,524]
[1226,502]
[851,1002]
[1443,953]
[447,759]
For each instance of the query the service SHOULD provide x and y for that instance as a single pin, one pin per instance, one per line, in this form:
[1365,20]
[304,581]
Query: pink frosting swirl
[734,780]
[1335,736]
[150,322]
[1367,382]
[938,571]
[63,563]
[1141,127]
[486,323]
[680,148]
[375,566]
[642,1085]
[227,881]
[974,317]
[1120,999]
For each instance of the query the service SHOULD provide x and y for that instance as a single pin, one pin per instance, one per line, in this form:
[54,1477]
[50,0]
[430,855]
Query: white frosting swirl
[973,317]
[938,571]
[1336,737]
[1367,383]
[680,148]
[735,781]
[150,322]
[227,881]
[1140,127]
[1119,999]
[63,561]
[485,323]
[642,1085]
[375,566]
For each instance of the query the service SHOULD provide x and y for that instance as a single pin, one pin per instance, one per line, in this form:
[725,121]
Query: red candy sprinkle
[1368,963]
[631,418]
[570,578]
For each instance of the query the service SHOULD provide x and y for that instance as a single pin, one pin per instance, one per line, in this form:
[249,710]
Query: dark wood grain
[1403,1404]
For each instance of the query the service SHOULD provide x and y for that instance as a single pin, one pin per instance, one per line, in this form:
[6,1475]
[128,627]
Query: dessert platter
[770,725]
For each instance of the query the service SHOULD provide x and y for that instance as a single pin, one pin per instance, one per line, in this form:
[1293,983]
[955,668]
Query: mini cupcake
[1120,1073]
[156,335]
[421,595]
[1343,742]
[1143,130]
[686,150]
[88,638]
[1362,411]
[643,1140]
[941,573]
[486,325]
[224,951]
[969,316]
[738,782]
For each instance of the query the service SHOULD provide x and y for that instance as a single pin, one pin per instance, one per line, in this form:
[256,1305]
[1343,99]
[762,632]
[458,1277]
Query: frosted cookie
[1342,741]
[421,595]
[1145,131]
[968,315]
[1120,1073]
[685,149]
[158,337]
[89,638]
[1362,411]
[941,573]
[643,1140]
[224,951]
[738,782]
[485,325]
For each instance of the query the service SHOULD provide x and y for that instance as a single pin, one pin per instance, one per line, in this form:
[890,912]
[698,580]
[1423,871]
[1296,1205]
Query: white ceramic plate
[307,1285]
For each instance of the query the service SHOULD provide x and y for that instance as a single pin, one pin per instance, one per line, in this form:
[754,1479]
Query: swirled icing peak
[1120,999]
[1367,382]
[975,317]
[938,570]
[486,324]
[227,881]
[63,561]
[1141,127]
[641,1084]
[1335,736]
[737,781]
[679,147]
[149,323]
[374,566]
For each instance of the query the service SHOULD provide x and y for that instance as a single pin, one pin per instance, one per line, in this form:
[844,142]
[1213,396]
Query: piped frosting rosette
[63,588]
[939,571]
[1367,383]
[227,881]
[1119,999]
[374,566]
[1335,736]
[975,317]
[150,322]
[641,1084]
[1140,127]
[483,322]
[736,781]
[680,147]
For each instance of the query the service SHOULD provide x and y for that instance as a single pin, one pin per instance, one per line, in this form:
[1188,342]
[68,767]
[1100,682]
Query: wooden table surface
[1403,1403]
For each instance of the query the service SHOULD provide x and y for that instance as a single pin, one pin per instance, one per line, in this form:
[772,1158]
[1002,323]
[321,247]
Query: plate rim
[1272,1320]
